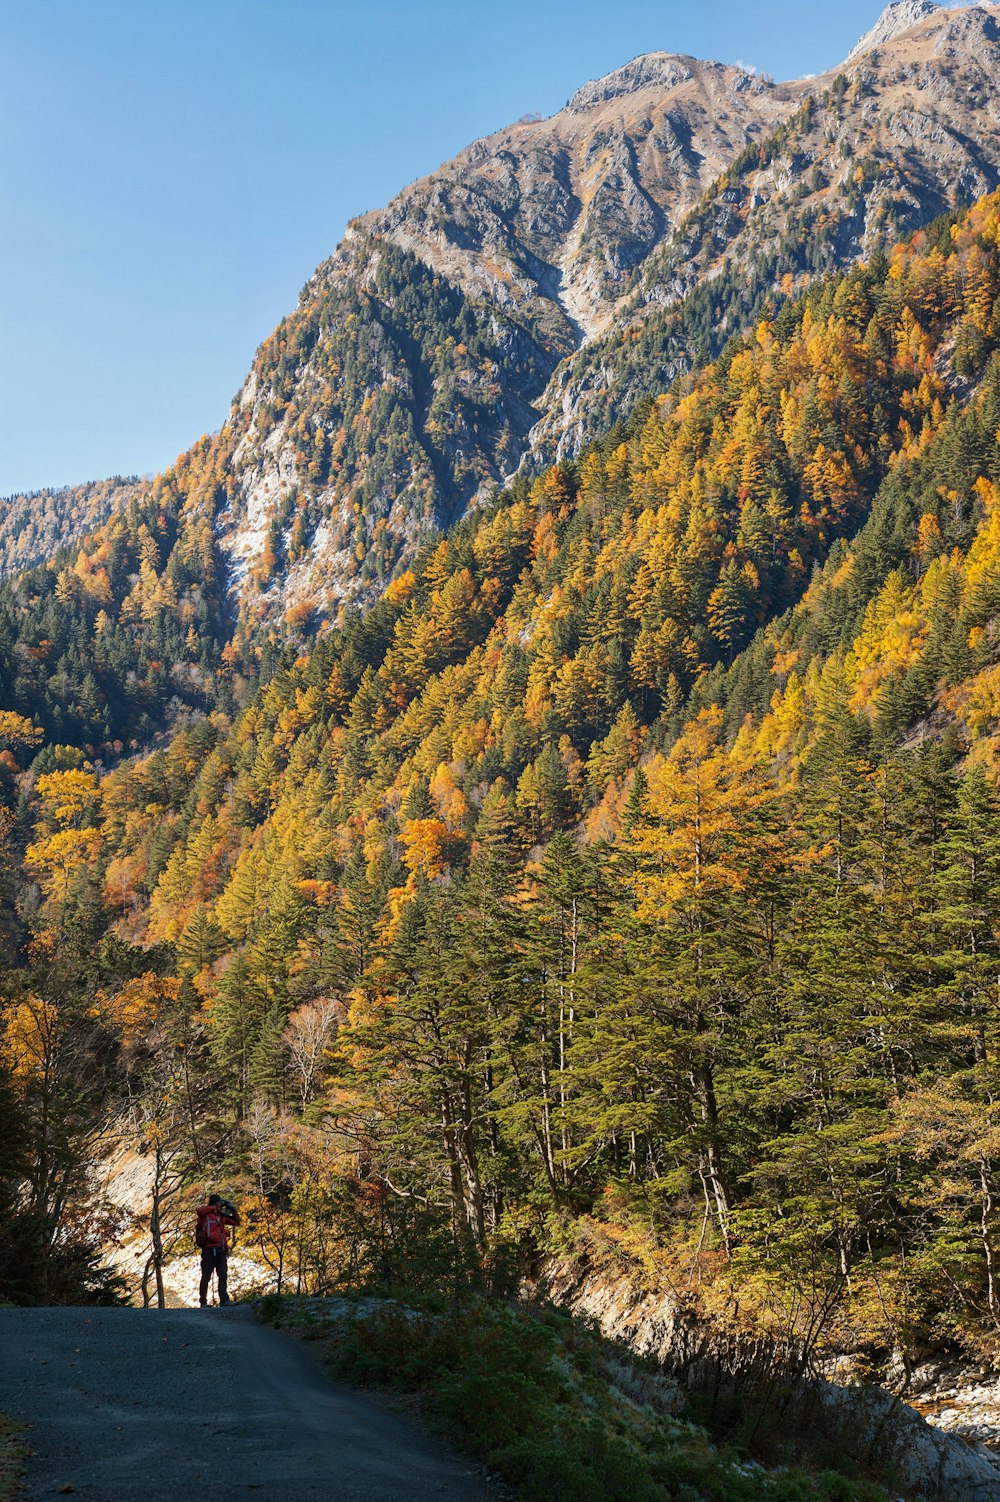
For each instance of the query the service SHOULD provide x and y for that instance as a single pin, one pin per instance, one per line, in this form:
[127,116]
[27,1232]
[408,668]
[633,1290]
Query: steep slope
[406,380]
[896,18]
[557,215]
[509,308]
[563,267]
[900,626]
[576,611]
[875,150]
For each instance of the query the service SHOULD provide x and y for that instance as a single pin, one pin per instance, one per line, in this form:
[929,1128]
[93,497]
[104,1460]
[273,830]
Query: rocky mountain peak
[663,70]
[895,19]
[966,30]
[508,307]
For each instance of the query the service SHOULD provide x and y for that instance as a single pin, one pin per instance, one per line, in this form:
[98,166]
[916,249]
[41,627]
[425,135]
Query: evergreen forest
[622,884]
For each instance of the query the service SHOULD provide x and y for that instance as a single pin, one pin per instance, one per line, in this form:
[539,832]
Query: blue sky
[171,171]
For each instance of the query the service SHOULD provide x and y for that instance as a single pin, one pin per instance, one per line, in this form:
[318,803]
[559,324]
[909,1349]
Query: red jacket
[213,1226]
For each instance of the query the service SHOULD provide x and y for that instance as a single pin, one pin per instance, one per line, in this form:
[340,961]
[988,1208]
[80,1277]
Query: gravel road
[135,1405]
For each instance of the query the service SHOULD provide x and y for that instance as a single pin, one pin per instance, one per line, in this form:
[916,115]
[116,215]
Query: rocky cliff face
[410,375]
[555,217]
[896,18]
[874,151]
[921,1444]
[510,306]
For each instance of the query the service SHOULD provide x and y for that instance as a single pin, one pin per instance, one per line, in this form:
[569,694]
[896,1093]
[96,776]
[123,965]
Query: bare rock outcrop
[914,1443]
[896,18]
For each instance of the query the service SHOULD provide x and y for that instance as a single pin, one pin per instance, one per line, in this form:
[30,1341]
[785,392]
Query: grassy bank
[12,1457]
[558,1412]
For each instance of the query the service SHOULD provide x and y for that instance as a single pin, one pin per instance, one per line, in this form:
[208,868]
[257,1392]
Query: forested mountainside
[624,880]
[35,526]
[508,309]
[108,641]
[666,206]
[905,131]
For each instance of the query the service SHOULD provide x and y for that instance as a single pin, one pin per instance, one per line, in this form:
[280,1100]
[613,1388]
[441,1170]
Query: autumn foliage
[625,876]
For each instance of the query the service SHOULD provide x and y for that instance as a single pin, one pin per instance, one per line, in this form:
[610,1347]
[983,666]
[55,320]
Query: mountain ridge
[555,227]
[507,308]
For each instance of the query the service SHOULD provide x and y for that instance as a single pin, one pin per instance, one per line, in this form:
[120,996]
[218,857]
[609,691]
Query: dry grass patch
[13,1453]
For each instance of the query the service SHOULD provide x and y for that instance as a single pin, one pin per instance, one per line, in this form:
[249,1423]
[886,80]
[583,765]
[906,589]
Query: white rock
[894,20]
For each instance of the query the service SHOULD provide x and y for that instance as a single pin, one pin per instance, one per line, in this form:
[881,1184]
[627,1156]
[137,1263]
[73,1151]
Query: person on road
[212,1236]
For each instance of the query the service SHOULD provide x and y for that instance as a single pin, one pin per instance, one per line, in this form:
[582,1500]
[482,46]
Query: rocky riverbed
[963,1400]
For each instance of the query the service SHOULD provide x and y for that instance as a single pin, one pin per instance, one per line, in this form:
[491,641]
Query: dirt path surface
[137,1404]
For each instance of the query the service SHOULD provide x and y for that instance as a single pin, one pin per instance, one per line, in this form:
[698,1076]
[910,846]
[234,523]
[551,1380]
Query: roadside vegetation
[558,1412]
[12,1456]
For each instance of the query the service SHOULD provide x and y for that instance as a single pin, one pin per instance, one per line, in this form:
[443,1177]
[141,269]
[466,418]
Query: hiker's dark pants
[213,1260]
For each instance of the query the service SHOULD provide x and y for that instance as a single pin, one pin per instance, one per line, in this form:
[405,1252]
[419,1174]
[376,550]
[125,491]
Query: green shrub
[531,1392]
